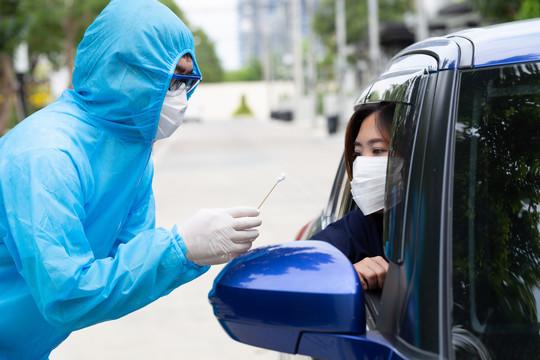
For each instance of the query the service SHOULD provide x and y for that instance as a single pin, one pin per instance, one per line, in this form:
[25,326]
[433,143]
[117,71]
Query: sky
[219,20]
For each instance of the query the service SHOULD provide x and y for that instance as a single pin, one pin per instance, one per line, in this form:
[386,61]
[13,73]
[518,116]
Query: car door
[463,238]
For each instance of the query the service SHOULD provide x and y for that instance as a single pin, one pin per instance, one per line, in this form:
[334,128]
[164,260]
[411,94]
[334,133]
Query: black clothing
[355,235]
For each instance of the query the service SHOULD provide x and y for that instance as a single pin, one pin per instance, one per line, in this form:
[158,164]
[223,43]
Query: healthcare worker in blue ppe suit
[78,243]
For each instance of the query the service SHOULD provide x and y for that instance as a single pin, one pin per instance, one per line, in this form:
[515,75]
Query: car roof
[508,43]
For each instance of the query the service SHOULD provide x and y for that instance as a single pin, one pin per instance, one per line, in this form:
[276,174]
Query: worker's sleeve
[141,216]
[45,197]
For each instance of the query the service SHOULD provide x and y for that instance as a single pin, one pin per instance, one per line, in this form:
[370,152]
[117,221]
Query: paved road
[206,165]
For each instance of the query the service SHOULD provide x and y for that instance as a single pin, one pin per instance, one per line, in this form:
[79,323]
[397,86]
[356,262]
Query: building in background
[278,35]
[266,33]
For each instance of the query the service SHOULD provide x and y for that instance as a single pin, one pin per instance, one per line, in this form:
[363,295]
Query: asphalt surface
[208,165]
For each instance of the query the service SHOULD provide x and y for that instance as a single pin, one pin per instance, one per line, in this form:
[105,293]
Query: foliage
[53,28]
[356,25]
[13,118]
[11,25]
[243,109]
[205,52]
[497,11]
[251,72]
[529,9]
[207,58]
[356,19]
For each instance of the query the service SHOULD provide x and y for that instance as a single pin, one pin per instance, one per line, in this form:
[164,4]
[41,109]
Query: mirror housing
[269,296]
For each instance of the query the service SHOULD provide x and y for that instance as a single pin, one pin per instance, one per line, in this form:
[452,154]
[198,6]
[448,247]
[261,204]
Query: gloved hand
[216,236]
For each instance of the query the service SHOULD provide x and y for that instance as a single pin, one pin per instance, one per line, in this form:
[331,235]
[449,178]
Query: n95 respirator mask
[368,183]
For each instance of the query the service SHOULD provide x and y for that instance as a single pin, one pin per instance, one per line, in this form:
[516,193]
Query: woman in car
[358,234]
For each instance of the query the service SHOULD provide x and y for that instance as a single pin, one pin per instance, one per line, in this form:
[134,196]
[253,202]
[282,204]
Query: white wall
[219,101]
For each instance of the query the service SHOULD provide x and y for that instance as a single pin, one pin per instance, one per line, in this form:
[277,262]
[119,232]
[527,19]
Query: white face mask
[172,112]
[368,183]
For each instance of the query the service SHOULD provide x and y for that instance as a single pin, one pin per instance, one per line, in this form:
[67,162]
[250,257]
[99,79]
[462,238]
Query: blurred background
[301,61]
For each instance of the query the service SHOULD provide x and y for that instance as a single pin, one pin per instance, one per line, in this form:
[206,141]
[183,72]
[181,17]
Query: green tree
[497,11]
[12,23]
[243,109]
[356,19]
[529,9]
[251,72]
[54,28]
[207,58]
[57,26]
[356,24]
[205,52]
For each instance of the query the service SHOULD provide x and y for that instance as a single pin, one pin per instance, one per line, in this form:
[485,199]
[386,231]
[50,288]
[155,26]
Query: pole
[311,80]
[267,60]
[298,58]
[374,40]
[21,66]
[341,35]
[421,21]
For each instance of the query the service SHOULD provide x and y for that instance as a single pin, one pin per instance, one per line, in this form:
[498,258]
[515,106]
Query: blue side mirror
[268,297]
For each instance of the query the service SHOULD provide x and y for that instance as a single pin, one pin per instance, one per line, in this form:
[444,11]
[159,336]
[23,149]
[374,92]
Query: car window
[402,141]
[341,202]
[496,214]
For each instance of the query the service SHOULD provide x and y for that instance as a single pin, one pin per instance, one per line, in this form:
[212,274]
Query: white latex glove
[216,236]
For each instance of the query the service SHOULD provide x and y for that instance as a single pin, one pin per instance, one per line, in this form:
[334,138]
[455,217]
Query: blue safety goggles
[189,80]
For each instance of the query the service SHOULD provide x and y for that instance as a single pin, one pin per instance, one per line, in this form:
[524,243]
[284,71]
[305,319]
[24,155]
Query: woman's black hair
[384,116]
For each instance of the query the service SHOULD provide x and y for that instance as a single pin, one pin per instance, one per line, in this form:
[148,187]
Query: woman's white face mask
[172,112]
[368,183]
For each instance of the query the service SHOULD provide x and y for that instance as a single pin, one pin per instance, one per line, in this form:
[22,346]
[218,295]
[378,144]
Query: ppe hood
[124,65]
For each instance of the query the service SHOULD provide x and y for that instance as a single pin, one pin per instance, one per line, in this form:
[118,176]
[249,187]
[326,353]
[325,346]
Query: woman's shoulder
[354,224]
[354,234]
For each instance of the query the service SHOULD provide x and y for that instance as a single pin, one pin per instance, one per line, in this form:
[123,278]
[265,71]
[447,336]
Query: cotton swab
[281,177]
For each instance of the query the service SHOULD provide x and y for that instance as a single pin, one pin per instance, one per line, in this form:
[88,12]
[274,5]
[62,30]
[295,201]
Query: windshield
[496,214]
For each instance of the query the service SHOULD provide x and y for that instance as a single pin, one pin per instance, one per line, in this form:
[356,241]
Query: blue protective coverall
[78,243]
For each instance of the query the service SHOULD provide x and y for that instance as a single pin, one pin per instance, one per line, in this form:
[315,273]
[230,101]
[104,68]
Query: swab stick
[281,177]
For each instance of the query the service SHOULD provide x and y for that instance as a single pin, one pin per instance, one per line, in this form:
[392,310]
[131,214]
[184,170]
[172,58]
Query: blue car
[461,222]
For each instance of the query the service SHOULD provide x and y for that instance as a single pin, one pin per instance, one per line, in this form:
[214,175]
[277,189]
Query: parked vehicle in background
[461,223]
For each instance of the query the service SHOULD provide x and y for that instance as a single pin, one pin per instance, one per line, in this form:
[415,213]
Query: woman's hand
[372,272]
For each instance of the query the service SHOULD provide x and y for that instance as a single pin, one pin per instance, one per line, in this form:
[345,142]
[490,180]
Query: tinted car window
[496,214]
[339,203]
[342,203]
